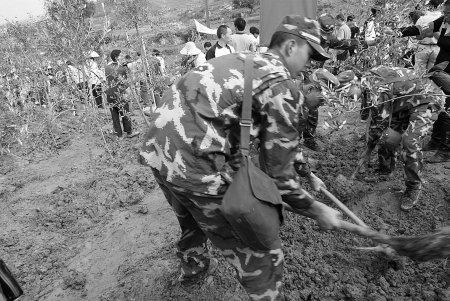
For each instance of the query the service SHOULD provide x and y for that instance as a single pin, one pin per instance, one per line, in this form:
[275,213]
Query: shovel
[360,228]
[345,187]
[422,248]
[344,208]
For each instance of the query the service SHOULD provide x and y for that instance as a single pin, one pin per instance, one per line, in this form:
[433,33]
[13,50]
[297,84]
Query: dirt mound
[324,266]
[90,224]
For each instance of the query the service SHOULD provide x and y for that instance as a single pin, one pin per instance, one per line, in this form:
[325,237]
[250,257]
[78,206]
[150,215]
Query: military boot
[439,157]
[410,197]
[312,145]
[194,279]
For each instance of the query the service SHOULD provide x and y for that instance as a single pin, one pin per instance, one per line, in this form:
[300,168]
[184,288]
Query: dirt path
[78,227]
[68,244]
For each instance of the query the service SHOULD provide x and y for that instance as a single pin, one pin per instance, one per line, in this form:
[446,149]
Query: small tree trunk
[144,63]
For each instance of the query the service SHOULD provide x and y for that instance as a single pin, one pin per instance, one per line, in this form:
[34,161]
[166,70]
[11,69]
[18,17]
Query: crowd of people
[196,145]
[104,80]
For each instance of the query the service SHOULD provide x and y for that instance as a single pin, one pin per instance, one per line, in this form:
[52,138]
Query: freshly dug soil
[80,225]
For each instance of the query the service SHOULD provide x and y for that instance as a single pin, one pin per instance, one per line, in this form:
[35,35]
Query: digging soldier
[410,115]
[312,90]
[193,149]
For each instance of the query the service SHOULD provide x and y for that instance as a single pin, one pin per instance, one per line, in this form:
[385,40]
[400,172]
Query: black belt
[427,44]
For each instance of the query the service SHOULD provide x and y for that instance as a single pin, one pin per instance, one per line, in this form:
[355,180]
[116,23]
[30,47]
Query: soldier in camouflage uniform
[412,114]
[193,149]
[312,89]
[309,133]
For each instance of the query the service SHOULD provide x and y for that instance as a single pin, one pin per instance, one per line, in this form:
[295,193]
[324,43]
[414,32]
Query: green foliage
[250,4]
[132,13]
[79,9]
[89,10]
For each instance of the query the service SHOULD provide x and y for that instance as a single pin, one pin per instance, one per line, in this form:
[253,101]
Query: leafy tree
[132,13]
[250,4]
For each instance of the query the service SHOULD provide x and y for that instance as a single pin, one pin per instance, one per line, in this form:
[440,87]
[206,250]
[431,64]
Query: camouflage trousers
[200,218]
[310,126]
[414,125]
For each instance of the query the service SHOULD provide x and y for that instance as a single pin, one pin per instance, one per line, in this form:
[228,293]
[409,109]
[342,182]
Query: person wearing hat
[192,147]
[313,87]
[404,120]
[193,57]
[327,25]
[348,85]
[96,78]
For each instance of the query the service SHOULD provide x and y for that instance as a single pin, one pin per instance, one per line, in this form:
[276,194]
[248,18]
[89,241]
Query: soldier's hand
[315,182]
[326,217]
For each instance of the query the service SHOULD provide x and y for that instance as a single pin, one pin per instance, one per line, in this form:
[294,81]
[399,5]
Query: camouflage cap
[323,77]
[306,29]
[346,76]
[404,80]
[327,23]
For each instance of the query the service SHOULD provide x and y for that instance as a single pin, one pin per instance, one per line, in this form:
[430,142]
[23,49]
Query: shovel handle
[352,228]
[358,167]
[344,208]
[364,232]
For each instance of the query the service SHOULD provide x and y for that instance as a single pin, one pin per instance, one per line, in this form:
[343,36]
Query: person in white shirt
[240,40]
[370,25]
[222,47]
[427,50]
[254,31]
[75,75]
[342,32]
[162,65]
[96,78]
[193,57]
[78,77]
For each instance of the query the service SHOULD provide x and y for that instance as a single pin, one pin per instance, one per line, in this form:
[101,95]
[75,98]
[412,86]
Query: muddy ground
[89,223]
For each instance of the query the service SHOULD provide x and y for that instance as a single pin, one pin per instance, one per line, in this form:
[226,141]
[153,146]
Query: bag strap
[246,119]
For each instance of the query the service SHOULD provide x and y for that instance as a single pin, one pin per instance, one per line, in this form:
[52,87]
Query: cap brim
[319,53]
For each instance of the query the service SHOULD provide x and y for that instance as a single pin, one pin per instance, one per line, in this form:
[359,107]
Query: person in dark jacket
[223,45]
[354,29]
[440,29]
[116,77]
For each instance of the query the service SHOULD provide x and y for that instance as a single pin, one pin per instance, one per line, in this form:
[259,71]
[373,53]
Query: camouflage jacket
[402,86]
[194,136]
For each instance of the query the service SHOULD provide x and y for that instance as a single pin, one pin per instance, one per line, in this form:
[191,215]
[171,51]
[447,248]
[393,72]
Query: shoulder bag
[252,203]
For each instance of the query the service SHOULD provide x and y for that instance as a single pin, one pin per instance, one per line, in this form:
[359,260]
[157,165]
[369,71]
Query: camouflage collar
[275,54]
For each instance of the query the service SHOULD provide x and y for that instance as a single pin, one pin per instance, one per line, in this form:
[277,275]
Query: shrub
[250,4]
